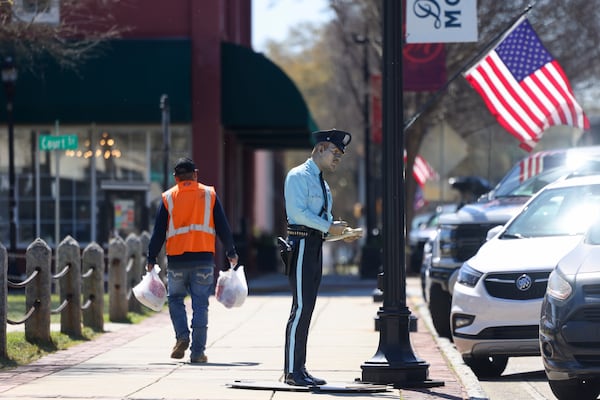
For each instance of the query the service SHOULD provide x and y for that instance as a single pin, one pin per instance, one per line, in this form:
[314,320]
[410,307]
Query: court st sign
[441,21]
[58,142]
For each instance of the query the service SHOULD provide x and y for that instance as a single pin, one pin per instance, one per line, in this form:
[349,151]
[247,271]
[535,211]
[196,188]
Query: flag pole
[471,61]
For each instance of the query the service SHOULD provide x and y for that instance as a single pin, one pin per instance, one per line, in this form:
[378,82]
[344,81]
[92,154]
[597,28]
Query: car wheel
[439,308]
[487,367]
[575,389]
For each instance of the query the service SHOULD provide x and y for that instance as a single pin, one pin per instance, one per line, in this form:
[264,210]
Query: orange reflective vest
[191,226]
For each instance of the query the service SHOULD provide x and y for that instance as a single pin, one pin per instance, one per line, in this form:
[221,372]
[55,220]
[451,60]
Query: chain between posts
[81,276]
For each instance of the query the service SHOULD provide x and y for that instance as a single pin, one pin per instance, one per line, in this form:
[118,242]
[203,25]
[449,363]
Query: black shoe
[296,379]
[316,381]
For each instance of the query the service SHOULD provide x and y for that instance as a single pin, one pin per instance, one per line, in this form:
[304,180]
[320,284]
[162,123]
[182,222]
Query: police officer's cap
[184,165]
[339,138]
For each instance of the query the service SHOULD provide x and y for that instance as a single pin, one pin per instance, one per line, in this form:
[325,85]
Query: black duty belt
[303,231]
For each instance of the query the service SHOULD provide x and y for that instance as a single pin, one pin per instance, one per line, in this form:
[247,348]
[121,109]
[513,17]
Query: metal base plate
[335,387]
[356,387]
[267,385]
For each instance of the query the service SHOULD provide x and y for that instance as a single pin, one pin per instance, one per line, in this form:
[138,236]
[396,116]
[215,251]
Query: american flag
[422,170]
[535,163]
[524,87]
[531,166]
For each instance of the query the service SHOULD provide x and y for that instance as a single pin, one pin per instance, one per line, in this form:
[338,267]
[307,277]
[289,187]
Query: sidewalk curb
[463,372]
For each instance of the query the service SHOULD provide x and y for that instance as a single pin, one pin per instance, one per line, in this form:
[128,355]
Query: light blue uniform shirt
[304,197]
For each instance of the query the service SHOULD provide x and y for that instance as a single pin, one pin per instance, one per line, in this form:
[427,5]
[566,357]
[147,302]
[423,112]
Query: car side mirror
[493,232]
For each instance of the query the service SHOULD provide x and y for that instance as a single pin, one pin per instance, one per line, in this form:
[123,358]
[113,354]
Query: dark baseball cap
[339,138]
[184,165]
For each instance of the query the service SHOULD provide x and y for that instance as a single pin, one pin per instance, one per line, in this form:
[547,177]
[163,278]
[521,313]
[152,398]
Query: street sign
[58,142]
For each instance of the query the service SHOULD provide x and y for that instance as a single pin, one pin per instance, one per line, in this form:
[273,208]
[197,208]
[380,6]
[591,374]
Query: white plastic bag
[232,288]
[151,291]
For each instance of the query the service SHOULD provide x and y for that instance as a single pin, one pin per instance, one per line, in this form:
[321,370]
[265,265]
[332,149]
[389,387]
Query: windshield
[557,212]
[535,184]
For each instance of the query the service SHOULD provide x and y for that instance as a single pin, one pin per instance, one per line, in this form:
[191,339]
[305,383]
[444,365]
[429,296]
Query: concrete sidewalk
[132,361]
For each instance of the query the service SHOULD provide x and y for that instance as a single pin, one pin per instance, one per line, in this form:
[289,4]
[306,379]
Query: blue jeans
[198,282]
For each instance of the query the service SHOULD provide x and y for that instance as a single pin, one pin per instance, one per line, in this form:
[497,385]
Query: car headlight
[558,287]
[468,276]
[446,236]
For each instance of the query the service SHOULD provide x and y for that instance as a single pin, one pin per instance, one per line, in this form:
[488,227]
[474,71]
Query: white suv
[498,293]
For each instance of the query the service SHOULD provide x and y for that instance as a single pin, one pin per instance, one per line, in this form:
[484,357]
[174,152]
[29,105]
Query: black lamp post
[9,78]
[394,362]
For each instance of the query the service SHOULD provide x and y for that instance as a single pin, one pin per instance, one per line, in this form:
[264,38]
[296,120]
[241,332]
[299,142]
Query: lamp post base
[395,362]
[408,375]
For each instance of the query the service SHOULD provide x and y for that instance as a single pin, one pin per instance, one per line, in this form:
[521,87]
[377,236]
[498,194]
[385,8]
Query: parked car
[498,293]
[570,320]
[460,234]
[424,229]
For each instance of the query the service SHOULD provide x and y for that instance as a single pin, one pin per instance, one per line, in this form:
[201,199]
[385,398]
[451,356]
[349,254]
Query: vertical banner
[441,21]
[423,70]
[376,122]
[423,67]
[423,64]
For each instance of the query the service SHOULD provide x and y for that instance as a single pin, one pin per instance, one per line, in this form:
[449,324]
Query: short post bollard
[68,256]
[38,258]
[134,272]
[117,280]
[93,286]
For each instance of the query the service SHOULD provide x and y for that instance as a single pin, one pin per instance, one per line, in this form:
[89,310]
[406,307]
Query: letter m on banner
[441,21]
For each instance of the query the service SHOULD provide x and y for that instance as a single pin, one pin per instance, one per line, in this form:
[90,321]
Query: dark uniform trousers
[306,270]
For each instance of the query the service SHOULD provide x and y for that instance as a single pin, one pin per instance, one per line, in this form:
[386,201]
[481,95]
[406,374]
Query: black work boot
[298,379]
[316,381]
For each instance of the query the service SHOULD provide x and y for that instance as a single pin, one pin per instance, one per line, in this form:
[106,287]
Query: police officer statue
[308,209]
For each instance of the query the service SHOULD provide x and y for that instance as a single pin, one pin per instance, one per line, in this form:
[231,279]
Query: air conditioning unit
[37,11]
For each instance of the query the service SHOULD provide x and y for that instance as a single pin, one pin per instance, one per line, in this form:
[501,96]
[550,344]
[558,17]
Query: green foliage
[22,352]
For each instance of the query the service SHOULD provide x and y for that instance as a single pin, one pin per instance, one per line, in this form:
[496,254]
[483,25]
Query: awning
[122,84]
[260,103]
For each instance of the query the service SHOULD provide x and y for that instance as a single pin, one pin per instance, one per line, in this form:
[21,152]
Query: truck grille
[469,239]
[505,286]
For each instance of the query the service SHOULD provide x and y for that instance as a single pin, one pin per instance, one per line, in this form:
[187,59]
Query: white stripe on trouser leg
[299,309]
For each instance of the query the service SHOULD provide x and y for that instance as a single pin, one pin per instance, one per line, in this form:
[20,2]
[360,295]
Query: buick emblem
[524,282]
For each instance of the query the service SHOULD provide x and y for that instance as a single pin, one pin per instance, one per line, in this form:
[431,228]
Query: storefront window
[112,167]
